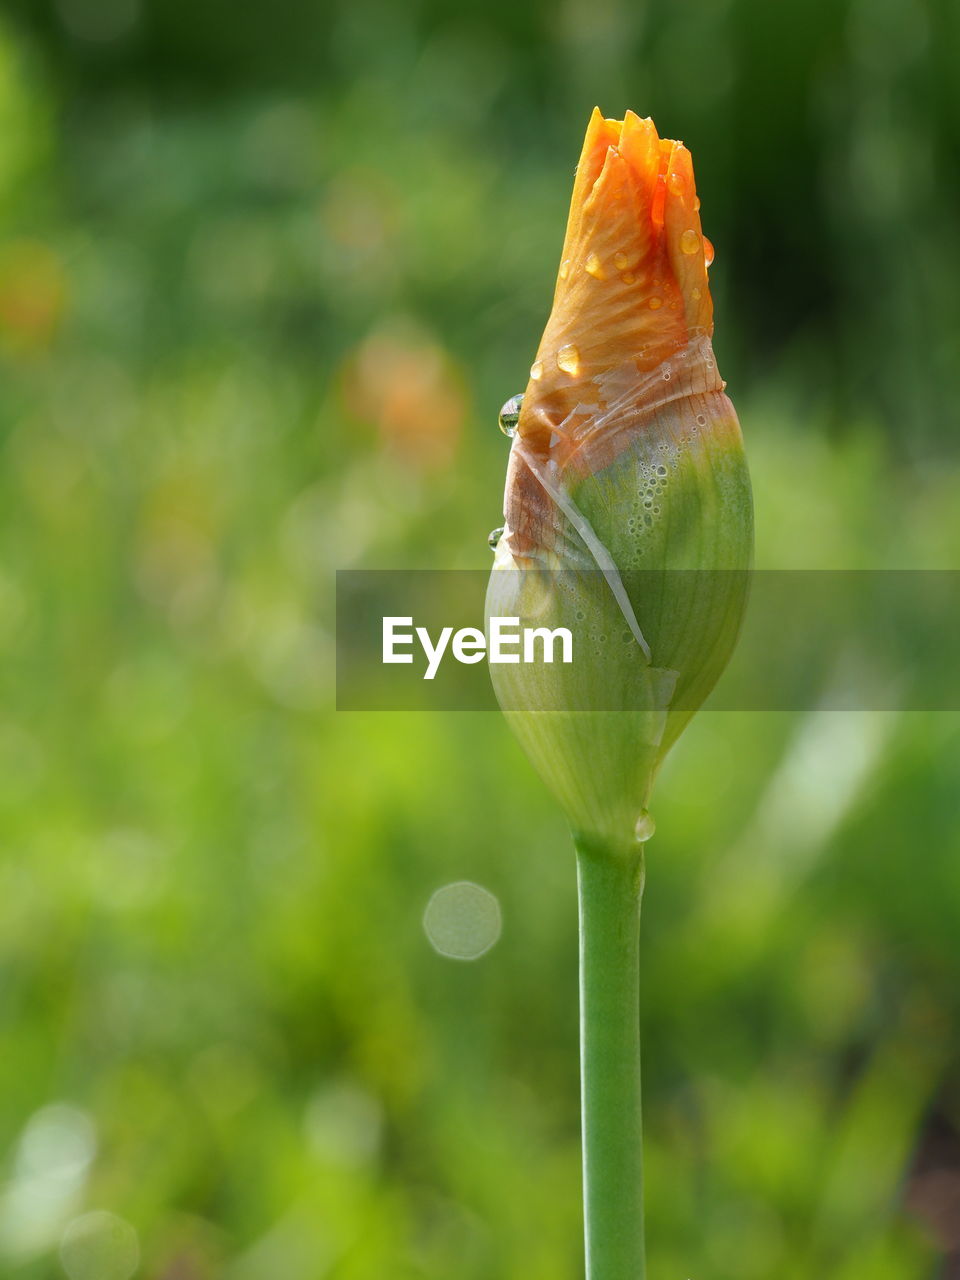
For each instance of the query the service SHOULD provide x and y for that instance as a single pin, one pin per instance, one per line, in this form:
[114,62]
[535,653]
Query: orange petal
[685,242]
[632,287]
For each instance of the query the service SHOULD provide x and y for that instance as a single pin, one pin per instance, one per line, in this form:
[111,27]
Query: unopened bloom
[626,473]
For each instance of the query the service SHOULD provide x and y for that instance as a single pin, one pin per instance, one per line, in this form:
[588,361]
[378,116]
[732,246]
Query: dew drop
[696,204]
[661,471]
[628,278]
[564,268]
[568,359]
[645,826]
[621,261]
[701,420]
[708,252]
[666,375]
[655,303]
[689,241]
[594,267]
[697,295]
[510,415]
[536,370]
[675,183]
[494,536]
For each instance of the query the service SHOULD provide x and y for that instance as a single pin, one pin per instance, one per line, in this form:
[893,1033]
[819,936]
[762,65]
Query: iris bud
[627,510]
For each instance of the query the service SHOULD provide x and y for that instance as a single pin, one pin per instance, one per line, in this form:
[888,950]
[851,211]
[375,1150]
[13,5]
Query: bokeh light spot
[58,1139]
[462,920]
[99,1246]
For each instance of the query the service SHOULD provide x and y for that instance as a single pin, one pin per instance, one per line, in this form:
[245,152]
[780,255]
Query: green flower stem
[610,885]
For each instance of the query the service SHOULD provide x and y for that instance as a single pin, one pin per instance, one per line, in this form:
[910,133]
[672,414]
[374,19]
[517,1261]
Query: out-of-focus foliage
[266,274]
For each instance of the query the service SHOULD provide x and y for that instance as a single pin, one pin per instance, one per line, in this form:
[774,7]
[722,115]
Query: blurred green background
[266,275]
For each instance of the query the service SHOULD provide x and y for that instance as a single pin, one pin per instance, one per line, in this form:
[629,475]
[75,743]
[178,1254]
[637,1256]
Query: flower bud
[627,511]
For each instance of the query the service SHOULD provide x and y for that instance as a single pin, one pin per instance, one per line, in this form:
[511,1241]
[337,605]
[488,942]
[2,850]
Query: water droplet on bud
[510,415]
[620,261]
[655,303]
[689,241]
[536,370]
[564,268]
[568,360]
[708,252]
[494,536]
[594,267]
[645,826]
